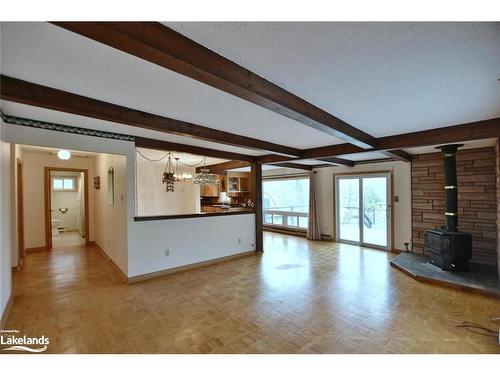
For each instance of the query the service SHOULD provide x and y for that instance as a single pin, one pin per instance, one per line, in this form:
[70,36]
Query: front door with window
[363,209]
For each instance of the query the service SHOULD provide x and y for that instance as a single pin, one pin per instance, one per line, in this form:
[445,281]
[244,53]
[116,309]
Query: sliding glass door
[363,207]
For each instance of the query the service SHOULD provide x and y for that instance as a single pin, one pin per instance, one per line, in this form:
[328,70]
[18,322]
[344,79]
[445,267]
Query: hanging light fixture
[181,177]
[205,177]
[168,176]
[173,170]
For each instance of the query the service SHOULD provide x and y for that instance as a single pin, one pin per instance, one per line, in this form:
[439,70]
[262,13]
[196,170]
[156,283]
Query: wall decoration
[111,186]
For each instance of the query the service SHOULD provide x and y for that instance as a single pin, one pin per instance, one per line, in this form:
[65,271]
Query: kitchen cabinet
[213,189]
[209,190]
[238,184]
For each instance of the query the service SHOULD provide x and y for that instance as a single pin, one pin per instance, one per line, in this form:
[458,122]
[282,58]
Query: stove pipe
[450,185]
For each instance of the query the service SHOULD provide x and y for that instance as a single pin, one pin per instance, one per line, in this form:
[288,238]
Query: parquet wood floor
[297,297]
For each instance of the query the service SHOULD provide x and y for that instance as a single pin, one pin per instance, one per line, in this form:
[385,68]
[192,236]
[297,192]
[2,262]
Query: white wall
[33,185]
[15,153]
[39,137]
[81,204]
[152,200]
[111,220]
[5,223]
[188,241]
[402,189]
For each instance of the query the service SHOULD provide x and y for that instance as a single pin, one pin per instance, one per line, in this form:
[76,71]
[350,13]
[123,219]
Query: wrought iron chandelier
[173,172]
[205,177]
[168,175]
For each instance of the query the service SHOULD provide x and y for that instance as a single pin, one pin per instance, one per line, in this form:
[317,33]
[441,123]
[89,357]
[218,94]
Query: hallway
[67,239]
[297,297]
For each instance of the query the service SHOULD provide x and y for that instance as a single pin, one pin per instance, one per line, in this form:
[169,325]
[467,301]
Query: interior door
[363,209]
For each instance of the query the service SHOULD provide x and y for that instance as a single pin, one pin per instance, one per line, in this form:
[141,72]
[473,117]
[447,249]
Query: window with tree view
[286,202]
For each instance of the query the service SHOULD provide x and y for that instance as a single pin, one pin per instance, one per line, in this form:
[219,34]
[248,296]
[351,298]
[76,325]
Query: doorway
[66,207]
[20,213]
[363,214]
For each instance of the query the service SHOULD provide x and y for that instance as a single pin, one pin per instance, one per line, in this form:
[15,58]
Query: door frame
[21,250]
[390,237]
[48,202]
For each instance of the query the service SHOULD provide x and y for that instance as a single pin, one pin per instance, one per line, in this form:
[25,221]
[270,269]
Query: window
[64,183]
[286,202]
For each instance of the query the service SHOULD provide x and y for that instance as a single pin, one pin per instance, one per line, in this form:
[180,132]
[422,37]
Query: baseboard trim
[188,267]
[117,269]
[298,233]
[6,312]
[285,231]
[35,249]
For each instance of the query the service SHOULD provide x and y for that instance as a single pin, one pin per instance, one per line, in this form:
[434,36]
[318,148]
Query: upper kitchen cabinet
[213,190]
[238,183]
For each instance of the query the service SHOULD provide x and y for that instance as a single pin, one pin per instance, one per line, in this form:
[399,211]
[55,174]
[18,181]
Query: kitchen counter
[218,208]
[216,212]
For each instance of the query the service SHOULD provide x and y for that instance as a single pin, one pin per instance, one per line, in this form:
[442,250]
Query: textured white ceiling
[51,150]
[265,167]
[309,162]
[384,78]
[52,56]
[42,114]
[184,157]
[365,156]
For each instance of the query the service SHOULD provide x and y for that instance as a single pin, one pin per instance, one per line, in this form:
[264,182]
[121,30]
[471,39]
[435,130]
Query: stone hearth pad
[480,279]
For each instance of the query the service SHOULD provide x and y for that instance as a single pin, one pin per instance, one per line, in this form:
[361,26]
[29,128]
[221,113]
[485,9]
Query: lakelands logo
[16,342]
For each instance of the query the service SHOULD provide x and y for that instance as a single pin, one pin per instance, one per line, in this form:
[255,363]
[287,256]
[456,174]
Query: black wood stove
[449,249]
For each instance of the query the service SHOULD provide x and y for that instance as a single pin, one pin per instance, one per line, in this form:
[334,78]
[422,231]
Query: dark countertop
[220,212]
[208,208]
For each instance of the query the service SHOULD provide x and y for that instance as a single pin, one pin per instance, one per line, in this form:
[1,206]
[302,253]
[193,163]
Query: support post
[256,169]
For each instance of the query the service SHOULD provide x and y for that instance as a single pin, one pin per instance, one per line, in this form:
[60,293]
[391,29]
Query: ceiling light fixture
[205,178]
[179,175]
[168,176]
[64,154]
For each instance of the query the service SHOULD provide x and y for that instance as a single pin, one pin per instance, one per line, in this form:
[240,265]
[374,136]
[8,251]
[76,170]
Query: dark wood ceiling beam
[337,161]
[294,166]
[334,150]
[450,134]
[163,46]
[20,91]
[458,133]
[220,167]
[274,159]
[348,148]
[326,165]
[156,144]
